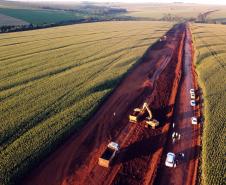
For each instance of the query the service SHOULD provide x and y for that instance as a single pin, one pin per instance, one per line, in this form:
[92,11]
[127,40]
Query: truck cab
[170,160]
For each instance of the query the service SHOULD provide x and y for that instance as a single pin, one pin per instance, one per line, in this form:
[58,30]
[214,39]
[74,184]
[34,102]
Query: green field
[7,20]
[39,17]
[210,41]
[44,13]
[52,80]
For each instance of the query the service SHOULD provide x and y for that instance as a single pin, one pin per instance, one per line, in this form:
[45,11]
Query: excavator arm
[149,120]
[145,106]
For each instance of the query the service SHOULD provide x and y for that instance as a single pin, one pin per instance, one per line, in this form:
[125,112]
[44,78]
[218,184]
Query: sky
[139,1]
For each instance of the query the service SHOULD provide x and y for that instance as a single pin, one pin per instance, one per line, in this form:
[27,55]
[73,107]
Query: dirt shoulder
[189,143]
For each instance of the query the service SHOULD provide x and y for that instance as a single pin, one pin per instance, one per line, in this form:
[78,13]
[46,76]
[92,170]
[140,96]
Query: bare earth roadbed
[155,80]
[189,144]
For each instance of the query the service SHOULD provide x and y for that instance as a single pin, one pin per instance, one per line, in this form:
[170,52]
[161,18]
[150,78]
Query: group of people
[176,137]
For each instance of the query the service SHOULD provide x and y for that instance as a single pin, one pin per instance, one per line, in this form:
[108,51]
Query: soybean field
[39,17]
[210,41]
[53,80]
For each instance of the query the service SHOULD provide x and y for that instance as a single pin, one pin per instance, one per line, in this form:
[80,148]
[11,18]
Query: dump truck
[139,115]
[109,154]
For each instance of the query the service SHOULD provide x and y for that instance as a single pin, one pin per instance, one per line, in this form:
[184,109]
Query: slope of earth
[75,162]
[52,80]
[189,142]
[211,66]
[8,21]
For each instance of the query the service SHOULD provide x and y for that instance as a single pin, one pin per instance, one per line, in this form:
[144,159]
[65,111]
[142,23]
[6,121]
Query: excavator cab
[136,115]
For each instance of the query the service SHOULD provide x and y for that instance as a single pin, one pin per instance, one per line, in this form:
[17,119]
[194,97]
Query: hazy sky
[143,1]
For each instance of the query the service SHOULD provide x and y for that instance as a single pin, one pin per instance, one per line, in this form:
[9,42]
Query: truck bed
[107,153]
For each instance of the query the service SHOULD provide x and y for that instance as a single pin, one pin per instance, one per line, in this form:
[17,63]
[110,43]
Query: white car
[170,160]
[193,104]
[192,95]
[194,121]
[192,91]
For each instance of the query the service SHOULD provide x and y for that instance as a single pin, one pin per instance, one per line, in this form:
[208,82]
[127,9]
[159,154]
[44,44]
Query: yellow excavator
[139,114]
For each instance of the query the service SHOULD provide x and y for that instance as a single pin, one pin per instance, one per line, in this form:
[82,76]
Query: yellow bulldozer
[138,115]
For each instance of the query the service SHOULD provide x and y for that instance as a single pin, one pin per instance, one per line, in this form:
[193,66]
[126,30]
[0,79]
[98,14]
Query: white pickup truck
[109,154]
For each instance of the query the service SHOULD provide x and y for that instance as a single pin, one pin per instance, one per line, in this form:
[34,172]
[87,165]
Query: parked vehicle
[193,104]
[194,121]
[192,91]
[192,95]
[170,160]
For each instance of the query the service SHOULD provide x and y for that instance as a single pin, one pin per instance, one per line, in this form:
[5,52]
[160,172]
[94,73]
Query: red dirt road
[155,80]
[189,144]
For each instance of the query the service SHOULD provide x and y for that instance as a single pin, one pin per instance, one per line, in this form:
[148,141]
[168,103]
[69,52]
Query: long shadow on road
[192,153]
[141,148]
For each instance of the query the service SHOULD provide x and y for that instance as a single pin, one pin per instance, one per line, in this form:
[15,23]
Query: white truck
[109,154]
[170,160]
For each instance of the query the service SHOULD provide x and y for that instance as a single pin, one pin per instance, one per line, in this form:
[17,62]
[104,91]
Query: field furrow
[56,78]
[211,62]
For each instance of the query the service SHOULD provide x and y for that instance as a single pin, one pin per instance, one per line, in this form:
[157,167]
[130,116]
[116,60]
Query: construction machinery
[109,154]
[139,115]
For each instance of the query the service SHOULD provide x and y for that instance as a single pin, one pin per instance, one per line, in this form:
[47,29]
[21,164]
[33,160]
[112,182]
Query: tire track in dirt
[189,144]
[162,104]
[75,162]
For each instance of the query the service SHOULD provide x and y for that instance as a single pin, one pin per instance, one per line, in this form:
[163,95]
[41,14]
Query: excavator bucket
[153,123]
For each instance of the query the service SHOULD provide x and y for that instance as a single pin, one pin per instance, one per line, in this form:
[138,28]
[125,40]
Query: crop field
[218,15]
[157,11]
[7,20]
[52,80]
[39,17]
[210,41]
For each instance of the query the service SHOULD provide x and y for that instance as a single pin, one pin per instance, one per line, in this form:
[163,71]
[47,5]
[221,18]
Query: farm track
[150,146]
[75,162]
